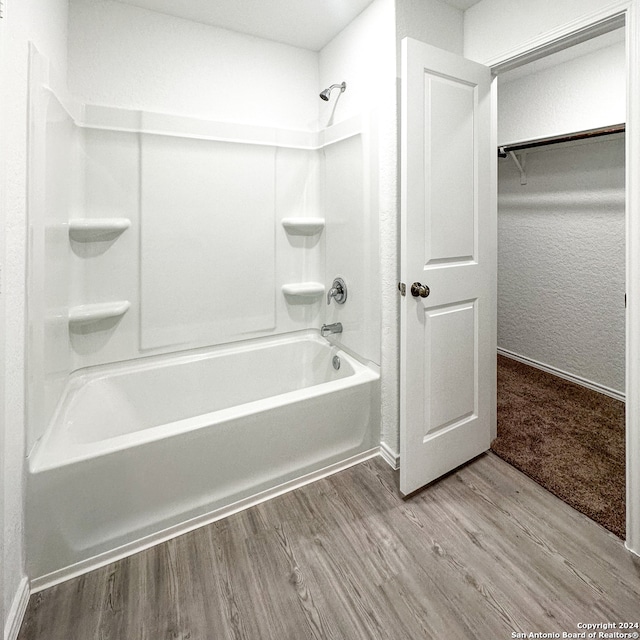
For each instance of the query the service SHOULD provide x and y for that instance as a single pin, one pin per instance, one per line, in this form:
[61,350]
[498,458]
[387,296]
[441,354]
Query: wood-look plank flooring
[480,554]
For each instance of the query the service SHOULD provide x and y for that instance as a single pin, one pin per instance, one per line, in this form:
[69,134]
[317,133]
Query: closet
[561,274]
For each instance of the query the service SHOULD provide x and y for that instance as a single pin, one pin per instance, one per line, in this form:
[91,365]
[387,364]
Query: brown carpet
[569,439]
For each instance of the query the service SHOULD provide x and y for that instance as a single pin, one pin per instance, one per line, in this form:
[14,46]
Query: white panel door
[448,245]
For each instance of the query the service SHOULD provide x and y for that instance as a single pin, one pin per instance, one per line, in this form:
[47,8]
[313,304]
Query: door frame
[621,13]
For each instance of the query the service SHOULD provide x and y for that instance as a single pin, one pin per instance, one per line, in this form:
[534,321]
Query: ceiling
[463,5]
[309,24]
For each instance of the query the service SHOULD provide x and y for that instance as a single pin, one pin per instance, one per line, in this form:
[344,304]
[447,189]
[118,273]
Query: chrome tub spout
[328,329]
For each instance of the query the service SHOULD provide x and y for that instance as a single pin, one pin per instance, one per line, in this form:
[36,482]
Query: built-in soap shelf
[309,290]
[87,313]
[92,229]
[303,226]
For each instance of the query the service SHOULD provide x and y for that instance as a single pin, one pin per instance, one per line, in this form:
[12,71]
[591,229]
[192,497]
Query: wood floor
[481,554]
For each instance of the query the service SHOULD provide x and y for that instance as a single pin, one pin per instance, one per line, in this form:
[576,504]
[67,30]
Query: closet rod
[503,151]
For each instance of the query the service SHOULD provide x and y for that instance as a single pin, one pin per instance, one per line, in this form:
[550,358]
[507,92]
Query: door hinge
[402,288]
[3,9]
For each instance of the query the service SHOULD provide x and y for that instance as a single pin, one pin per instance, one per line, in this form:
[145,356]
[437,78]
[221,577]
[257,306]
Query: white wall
[494,27]
[3,615]
[362,55]
[124,56]
[586,92]
[44,23]
[430,21]
[561,260]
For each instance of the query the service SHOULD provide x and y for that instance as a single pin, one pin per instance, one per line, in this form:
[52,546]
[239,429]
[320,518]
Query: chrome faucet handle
[338,291]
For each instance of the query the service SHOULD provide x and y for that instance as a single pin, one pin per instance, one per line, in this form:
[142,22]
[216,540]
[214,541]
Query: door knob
[421,290]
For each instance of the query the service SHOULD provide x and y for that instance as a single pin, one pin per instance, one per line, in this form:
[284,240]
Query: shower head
[327,92]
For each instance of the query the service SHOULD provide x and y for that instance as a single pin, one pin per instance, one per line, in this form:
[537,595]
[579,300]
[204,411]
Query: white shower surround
[142,451]
[110,147]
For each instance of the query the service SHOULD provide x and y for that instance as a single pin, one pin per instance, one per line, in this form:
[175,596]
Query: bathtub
[139,452]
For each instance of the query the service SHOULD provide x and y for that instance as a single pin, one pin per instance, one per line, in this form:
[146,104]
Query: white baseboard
[103,559]
[389,456]
[594,386]
[17,611]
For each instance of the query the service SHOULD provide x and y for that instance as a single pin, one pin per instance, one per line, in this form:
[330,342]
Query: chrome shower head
[327,92]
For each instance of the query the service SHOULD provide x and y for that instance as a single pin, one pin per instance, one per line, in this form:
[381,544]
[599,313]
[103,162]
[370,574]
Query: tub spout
[327,329]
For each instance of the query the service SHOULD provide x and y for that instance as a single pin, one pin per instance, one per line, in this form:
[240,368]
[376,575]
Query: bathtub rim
[142,363]
[45,454]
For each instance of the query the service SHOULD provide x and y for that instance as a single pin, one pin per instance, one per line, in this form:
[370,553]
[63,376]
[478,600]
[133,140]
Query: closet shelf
[86,313]
[303,289]
[303,226]
[91,229]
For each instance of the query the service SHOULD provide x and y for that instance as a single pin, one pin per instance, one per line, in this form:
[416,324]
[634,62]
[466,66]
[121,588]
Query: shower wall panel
[207,241]
[53,184]
[107,269]
[183,236]
[299,258]
[352,241]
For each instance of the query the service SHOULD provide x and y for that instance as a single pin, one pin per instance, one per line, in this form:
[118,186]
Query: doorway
[623,13]
[561,275]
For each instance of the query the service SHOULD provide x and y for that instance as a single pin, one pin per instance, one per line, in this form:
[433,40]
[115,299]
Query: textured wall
[430,21]
[124,56]
[561,236]
[44,23]
[493,27]
[561,260]
[586,92]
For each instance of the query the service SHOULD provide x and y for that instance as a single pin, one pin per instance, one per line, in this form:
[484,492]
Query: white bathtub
[141,451]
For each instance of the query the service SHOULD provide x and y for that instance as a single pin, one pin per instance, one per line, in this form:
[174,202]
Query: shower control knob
[338,291]
[419,290]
